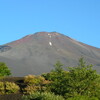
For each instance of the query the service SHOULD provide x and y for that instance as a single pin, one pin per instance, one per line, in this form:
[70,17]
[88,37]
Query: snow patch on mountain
[50,43]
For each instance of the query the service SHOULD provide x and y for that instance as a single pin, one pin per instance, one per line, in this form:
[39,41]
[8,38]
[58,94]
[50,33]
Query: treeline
[75,83]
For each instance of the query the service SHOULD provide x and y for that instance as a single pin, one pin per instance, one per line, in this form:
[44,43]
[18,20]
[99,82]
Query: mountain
[37,53]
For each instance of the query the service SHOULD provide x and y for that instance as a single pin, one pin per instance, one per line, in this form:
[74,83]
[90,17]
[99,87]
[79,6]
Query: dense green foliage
[77,83]
[79,80]
[2,89]
[34,84]
[58,79]
[11,87]
[4,70]
[8,88]
[42,96]
[82,80]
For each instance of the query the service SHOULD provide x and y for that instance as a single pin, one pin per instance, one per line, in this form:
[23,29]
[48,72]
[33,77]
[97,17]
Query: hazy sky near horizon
[78,19]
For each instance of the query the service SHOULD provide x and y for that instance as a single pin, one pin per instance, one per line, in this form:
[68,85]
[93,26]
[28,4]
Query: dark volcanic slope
[37,53]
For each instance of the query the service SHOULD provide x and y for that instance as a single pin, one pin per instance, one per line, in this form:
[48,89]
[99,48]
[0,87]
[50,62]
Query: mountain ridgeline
[37,53]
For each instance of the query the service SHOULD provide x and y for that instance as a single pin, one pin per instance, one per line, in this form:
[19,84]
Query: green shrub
[83,80]
[4,70]
[58,78]
[51,96]
[30,79]
[2,89]
[31,88]
[11,87]
[80,80]
[36,80]
[42,96]
[35,83]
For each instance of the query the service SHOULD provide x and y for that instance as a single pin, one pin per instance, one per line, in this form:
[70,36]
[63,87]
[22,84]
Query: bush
[42,96]
[36,80]
[11,87]
[35,83]
[8,87]
[30,79]
[2,89]
[31,88]
[4,70]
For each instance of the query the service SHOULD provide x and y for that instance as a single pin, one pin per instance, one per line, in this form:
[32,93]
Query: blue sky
[79,19]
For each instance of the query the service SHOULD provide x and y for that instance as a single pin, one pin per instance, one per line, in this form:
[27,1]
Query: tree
[58,79]
[4,70]
[81,63]
[58,67]
[83,80]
